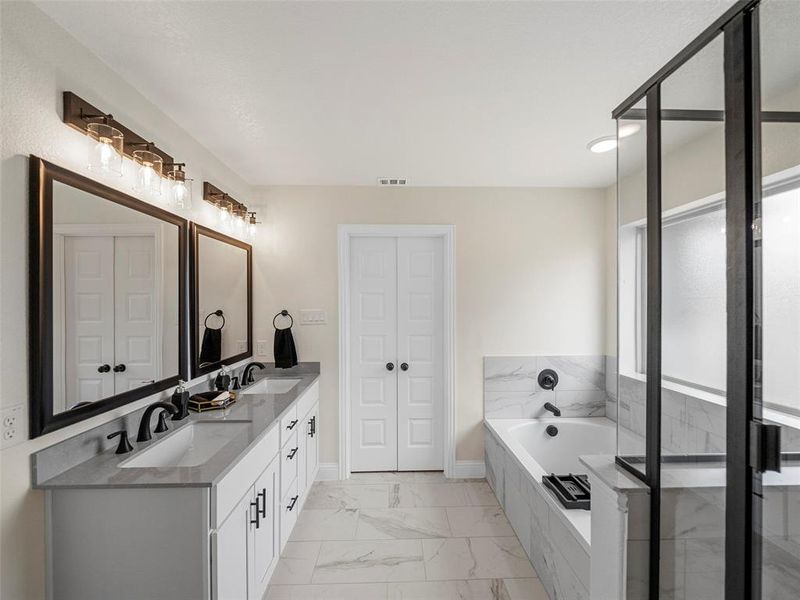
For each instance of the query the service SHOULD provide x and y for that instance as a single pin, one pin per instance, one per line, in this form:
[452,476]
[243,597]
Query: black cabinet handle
[290,507]
[404,367]
[119,368]
[390,366]
[103,368]
[292,424]
[257,522]
[312,427]
[263,495]
[291,454]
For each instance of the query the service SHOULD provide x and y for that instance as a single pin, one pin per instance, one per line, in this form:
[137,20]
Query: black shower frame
[739,26]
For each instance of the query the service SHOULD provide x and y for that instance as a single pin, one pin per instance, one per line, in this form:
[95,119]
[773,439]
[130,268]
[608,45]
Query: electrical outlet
[12,426]
[313,316]
[261,348]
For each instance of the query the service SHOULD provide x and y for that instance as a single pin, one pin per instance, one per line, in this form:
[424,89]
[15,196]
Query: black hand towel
[284,350]
[211,348]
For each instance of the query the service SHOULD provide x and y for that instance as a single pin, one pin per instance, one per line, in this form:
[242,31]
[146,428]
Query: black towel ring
[283,313]
[217,313]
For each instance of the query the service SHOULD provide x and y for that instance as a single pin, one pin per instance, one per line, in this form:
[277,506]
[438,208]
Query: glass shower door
[776,257]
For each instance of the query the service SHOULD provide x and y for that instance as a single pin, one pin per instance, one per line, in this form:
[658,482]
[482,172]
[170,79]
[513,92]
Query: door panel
[421,347]
[233,554]
[265,542]
[89,329]
[373,335]
[137,313]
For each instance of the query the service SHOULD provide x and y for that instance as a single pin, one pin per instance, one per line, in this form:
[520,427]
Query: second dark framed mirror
[222,298]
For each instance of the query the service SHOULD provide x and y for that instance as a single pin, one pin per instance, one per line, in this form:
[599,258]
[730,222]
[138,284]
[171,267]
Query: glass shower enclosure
[708,190]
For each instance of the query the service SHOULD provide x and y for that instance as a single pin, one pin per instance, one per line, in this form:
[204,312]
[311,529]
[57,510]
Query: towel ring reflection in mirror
[283,313]
[216,313]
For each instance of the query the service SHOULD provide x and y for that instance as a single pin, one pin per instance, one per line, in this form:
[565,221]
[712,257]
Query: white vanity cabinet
[245,546]
[187,542]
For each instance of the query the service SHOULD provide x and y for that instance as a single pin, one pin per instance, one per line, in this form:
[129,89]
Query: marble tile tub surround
[415,536]
[560,558]
[690,423]
[511,390]
[58,458]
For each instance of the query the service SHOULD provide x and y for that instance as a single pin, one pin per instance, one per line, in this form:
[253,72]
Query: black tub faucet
[553,409]
[247,372]
[144,424]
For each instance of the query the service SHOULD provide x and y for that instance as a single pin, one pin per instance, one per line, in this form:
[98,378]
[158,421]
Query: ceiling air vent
[392,181]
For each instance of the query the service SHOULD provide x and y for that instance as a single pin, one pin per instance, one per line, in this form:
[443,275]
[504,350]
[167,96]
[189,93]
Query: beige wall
[40,61]
[530,277]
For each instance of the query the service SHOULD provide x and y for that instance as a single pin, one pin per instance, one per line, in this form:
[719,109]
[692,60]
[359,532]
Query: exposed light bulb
[104,152]
[179,194]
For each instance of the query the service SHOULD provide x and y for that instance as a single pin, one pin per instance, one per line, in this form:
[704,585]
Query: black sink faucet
[553,409]
[247,372]
[144,425]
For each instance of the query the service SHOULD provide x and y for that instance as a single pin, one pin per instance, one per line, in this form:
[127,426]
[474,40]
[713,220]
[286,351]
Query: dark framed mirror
[108,298]
[221,275]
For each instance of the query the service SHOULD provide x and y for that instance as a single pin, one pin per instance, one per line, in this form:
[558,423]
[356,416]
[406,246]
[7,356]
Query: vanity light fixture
[180,188]
[251,226]
[105,147]
[149,167]
[231,214]
[110,140]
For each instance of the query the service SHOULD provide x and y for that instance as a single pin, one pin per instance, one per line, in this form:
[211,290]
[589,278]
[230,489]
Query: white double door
[111,312]
[396,353]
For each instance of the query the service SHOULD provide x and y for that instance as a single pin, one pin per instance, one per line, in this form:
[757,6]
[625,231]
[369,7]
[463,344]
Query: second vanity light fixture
[232,216]
[109,141]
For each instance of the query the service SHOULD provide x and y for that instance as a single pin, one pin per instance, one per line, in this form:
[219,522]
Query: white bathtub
[540,454]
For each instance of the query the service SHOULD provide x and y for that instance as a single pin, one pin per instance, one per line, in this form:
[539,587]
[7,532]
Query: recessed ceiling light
[628,129]
[603,144]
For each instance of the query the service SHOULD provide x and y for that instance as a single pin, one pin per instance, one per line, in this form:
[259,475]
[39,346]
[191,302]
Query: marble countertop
[263,410]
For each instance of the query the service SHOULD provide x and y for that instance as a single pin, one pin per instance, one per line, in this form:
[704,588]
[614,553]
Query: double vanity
[200,511]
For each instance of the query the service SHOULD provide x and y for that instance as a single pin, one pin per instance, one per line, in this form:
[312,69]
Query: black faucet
[247,372]
[553,409]
[144,425]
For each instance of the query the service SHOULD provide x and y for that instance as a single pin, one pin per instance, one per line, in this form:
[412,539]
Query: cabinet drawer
[290,457]
[289,424]
[290,506]
[241,477]
[307,400]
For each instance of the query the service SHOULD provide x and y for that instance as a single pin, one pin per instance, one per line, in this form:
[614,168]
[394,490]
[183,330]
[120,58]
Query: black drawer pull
[291,454]
[263,495]
[290,507]
[257,522]
[292,424]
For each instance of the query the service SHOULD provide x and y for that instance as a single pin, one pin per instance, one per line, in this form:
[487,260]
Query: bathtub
[518,453]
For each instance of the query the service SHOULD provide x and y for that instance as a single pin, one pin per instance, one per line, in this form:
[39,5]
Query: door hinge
[765,447]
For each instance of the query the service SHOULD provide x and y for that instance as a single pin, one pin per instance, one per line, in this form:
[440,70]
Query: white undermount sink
[190,446]
[271,386]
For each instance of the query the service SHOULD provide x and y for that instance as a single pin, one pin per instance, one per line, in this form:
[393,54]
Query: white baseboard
[469,469]
[465,469]
[328,472]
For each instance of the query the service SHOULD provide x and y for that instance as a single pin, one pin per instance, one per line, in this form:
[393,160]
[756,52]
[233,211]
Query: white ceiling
[444,93]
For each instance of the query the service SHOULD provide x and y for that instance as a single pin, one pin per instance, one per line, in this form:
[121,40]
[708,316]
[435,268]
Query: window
[694,296]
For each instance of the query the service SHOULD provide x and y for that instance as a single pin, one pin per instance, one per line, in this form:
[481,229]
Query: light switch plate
[312,316]
[12,427]
[261,348]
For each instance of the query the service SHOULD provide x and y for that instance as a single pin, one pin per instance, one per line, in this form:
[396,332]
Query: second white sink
[191,446]
[271,386]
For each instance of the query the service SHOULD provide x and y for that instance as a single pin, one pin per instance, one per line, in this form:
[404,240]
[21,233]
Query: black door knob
[103,368]
[404,367]
[119,368]
[390,366]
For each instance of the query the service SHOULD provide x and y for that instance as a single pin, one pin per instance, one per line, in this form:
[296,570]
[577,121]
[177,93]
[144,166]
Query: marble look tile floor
[403,536]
